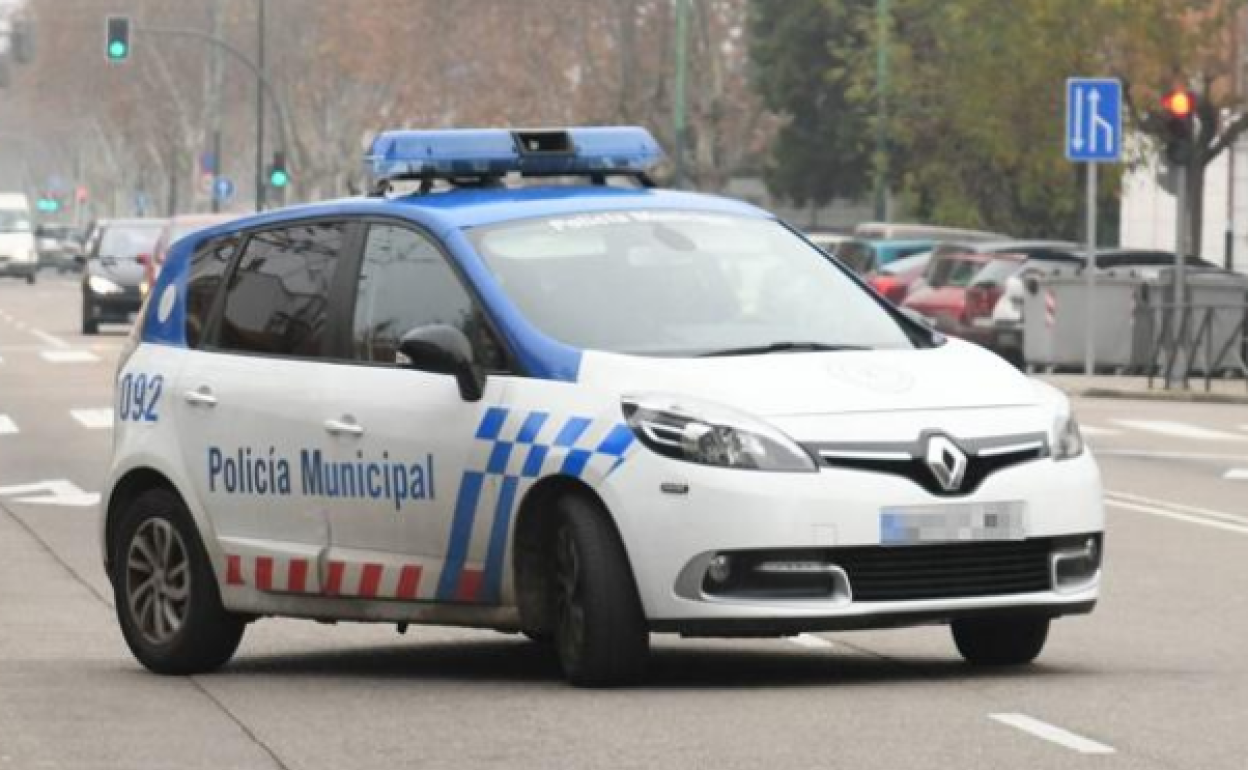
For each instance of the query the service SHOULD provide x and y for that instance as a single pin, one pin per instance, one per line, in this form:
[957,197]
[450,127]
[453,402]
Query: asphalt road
[1157,677]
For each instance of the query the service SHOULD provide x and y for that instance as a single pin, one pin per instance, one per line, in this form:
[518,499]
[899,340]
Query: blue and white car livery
[538,394]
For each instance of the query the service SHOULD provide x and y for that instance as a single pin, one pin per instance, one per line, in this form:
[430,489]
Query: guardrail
[1210,338]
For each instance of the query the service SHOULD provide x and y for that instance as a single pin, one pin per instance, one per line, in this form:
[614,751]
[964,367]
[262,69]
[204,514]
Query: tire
[600,632]
[90,325]
[1000,641]
[30,279]
[197,634]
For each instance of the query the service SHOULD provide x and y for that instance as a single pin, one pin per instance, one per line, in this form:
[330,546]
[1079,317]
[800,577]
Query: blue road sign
[1094,119]
[223,188]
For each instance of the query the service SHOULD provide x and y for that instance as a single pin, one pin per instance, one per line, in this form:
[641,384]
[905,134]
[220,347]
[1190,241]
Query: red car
[896,279]
[960,291]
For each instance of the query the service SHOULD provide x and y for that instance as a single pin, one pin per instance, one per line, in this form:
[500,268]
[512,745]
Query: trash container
[1055,320]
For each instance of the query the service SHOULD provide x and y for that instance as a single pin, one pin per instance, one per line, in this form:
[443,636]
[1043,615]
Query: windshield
[129,241]
[680,283]
[12,221]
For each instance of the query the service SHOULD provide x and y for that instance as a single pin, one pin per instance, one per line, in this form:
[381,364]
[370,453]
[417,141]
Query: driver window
[404,283]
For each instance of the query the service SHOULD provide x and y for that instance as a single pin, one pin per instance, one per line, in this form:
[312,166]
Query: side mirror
[444,350]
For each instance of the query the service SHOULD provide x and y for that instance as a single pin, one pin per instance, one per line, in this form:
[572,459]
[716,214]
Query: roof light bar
[454,154]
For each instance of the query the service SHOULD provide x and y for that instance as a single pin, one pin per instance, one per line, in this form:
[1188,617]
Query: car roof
[134,222]
[468,208]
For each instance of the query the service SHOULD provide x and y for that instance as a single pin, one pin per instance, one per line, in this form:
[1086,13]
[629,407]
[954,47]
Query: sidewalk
[1109,386]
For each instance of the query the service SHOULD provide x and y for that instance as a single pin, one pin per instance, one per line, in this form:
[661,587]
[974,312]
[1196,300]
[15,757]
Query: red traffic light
[1179,103]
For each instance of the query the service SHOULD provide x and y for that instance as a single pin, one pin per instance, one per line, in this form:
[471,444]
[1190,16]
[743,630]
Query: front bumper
[667,536]
[108,307]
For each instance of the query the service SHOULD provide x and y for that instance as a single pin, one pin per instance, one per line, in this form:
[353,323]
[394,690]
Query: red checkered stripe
[1050,309]
[364,580]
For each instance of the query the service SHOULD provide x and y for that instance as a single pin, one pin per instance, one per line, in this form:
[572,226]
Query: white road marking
[1052,733]
[1236,474]
[1168,514]
[94,419]
[51,339]
[810,641]
[69,356]
[1093,430]
[52,492]
[1234,518]
[7,426]
[1180,430]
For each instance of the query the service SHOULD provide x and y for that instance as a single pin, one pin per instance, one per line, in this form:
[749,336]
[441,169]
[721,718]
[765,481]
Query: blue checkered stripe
[509,448]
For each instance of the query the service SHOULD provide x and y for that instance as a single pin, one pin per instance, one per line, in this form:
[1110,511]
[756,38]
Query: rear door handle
[201,396]
[346,426]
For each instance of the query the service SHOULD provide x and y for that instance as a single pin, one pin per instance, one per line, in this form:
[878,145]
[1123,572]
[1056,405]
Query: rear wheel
[165,593]
[1003,641]
[600,631]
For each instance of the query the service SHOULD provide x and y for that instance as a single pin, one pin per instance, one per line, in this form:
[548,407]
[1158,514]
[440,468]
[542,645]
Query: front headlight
[101,285]
[709,434]
[1067,440]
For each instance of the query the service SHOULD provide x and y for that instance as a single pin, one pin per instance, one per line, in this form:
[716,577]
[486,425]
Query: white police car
[586,412]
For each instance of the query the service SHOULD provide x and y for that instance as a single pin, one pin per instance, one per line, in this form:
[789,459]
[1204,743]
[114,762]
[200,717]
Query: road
[1157,677]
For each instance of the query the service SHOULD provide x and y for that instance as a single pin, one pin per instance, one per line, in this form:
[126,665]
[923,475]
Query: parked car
[866,257]
[902,231]
[945,298]
[895,279]
[175,228]
[828,240]
[114,271]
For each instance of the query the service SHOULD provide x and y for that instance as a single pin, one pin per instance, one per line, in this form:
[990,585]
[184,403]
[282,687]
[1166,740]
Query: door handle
[347,426]
[201,396]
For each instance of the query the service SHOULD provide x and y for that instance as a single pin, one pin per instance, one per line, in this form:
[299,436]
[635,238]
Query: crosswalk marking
[1236,474]
[94,419]
[1180,430]
[69,356]
[50,339]
[7,426]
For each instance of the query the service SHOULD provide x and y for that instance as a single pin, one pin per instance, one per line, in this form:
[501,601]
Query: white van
[18,255]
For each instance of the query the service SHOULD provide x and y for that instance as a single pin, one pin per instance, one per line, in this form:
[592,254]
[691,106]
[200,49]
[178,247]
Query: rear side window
[277,300]
[405,282]
[208,266]
[952,271]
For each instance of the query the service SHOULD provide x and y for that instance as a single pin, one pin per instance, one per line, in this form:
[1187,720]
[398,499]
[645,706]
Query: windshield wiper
[781,347]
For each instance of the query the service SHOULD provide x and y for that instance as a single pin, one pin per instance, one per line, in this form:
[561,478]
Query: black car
[111,282]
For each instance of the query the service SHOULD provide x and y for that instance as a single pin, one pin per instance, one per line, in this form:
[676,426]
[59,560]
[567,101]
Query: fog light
[720,569]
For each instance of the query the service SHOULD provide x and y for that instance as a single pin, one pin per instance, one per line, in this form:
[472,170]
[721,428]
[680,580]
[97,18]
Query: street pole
[678,100]
[1178,332]
[1089,362]
[881,107]
[260,107]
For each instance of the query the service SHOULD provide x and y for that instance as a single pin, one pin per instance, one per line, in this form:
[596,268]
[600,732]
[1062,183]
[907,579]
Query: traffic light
[1178,125]
[279,177]
[117,38]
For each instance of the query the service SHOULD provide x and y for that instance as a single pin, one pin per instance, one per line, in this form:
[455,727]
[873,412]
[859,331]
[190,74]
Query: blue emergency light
[495,152]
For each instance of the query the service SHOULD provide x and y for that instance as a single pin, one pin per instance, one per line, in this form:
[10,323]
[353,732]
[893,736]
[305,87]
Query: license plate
[953,523]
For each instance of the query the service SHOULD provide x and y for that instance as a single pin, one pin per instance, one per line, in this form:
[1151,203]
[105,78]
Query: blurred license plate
[953,523]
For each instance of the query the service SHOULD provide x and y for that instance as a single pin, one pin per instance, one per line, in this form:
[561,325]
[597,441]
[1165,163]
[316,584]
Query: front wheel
[165,593]
[89,324]
[1003,641]
[600,632]
[30,279]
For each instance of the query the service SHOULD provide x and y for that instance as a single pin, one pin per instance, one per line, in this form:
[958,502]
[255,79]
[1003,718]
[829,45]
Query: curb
[1186,396]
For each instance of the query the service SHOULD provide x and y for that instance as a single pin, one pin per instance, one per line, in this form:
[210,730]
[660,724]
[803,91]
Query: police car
[536,394]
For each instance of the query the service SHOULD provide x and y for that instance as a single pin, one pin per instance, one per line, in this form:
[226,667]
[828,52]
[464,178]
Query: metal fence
[1209,339]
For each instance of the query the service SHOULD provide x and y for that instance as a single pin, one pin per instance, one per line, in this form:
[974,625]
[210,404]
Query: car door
[416,516]
[248,394]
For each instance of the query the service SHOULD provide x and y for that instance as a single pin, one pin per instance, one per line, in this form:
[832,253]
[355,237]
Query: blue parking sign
[1094,120]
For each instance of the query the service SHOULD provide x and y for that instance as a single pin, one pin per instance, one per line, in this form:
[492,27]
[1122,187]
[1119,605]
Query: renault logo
[947,461]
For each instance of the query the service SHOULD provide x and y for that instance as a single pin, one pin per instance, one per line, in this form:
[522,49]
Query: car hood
[956,375]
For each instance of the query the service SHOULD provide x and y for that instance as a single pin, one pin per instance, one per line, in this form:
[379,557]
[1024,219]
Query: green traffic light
[117,50]
[279,178]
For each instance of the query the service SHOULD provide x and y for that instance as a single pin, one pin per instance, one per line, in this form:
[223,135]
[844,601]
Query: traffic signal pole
[1176,376]
[264,85]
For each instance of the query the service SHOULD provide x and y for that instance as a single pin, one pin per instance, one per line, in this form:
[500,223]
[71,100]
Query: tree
[802,52]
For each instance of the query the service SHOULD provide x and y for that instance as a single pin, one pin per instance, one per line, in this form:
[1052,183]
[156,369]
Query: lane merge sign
[1094,120]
